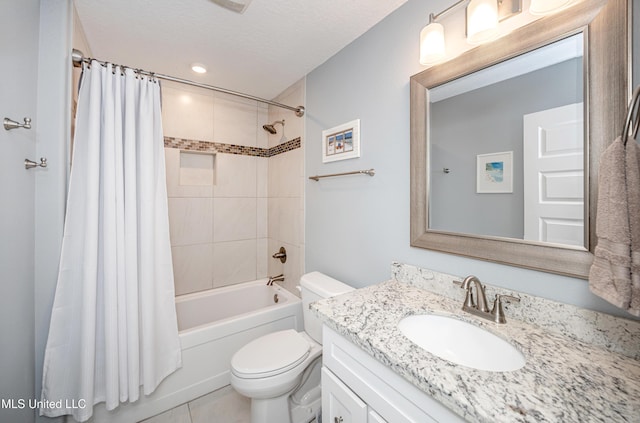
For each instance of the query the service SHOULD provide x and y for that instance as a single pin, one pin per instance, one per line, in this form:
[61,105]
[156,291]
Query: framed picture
[341,142]
[494,173]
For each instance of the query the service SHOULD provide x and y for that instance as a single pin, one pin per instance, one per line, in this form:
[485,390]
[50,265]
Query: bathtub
[212,326]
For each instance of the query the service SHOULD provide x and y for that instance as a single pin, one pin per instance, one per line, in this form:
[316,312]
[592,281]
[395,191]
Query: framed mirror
[506,139]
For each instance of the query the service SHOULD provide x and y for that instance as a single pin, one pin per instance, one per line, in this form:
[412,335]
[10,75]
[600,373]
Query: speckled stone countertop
[564,379]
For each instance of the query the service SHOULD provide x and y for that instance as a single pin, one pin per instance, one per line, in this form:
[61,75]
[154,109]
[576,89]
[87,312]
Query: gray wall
[18,73]
[355,226]
[36,36]
[489,120]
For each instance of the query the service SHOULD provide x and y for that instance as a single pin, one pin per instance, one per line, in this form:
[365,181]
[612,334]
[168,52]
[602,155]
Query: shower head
[270,128]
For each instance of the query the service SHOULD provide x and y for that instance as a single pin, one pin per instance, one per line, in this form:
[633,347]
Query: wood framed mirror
[603,30]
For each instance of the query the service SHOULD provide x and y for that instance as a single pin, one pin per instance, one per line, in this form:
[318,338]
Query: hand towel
[632,164]
[618,227]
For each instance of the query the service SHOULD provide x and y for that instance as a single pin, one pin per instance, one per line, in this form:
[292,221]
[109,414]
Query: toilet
[280,371]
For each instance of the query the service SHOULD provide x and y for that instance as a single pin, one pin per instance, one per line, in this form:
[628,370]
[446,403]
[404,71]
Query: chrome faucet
[272,279]
[481,309]
[482,299]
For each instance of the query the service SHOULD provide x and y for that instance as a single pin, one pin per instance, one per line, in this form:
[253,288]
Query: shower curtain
[113,326]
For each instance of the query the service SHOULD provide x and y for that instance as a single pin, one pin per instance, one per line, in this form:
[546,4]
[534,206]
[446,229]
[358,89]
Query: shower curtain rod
[78,58]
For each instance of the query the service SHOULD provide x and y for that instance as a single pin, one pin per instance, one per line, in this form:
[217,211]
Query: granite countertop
[564,380]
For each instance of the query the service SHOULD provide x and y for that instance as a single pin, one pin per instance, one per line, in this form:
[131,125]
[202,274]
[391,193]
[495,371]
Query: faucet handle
[468,299]
[281,254]
[497,311]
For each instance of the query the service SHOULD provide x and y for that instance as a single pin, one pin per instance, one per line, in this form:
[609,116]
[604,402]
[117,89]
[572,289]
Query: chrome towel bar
[369,172]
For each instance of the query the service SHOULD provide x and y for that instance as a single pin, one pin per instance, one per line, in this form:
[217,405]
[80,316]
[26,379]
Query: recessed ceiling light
[198,68]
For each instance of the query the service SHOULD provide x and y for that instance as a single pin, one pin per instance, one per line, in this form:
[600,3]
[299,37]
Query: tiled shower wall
[285,206]
[231,202]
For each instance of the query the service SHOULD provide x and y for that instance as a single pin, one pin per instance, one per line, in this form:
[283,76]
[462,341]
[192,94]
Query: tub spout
[272,279]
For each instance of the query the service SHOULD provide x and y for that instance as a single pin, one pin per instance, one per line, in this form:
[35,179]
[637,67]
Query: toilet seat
[270,355]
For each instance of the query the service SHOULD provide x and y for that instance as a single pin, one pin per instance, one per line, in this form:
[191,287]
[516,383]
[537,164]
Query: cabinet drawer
[339,403]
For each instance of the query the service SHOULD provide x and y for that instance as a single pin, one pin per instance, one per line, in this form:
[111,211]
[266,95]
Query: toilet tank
[316,286]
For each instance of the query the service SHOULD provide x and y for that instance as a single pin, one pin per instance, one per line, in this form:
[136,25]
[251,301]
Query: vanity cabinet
[339,403]
[359,389]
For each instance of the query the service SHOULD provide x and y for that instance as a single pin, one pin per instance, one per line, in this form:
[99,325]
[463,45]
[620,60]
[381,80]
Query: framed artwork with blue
[494,173]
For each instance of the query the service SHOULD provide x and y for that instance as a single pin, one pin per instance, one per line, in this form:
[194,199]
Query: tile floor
[222,406]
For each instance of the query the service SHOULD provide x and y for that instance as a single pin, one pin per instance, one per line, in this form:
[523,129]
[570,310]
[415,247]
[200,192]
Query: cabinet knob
[338,419]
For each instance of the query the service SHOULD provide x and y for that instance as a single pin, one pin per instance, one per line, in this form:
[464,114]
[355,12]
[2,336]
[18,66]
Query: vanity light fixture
[482,21]
[432,47]
[481,25]
[198,68]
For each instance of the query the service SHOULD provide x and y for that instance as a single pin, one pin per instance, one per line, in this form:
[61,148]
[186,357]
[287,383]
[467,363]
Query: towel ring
[633,121]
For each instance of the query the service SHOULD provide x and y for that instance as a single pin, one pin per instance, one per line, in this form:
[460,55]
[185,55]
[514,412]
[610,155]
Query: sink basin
[461,342]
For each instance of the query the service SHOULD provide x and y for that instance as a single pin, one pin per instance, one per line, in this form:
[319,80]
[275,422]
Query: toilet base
[279,410]
[271,410]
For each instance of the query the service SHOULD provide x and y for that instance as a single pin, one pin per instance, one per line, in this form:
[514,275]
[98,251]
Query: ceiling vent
[236,6]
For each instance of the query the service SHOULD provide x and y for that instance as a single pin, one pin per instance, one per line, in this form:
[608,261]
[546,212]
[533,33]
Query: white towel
[612,275]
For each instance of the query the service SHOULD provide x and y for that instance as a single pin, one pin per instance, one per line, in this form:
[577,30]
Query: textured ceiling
[261,52]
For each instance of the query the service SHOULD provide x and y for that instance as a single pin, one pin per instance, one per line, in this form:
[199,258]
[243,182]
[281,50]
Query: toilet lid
[270,354]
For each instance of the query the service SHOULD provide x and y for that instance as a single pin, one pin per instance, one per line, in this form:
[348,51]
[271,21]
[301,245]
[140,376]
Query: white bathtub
[213,325]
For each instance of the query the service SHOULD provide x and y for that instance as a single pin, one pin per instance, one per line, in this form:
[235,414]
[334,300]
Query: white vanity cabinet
[339,403]
[358,389]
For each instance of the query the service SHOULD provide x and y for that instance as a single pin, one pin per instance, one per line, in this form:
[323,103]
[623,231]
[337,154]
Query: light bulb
[482,21]
[432,48]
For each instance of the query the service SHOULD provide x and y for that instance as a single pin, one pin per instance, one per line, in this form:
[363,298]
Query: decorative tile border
[284,147]
[218,147]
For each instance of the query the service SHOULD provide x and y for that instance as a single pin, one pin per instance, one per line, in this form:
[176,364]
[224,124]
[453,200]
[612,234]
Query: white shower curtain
[113,325]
